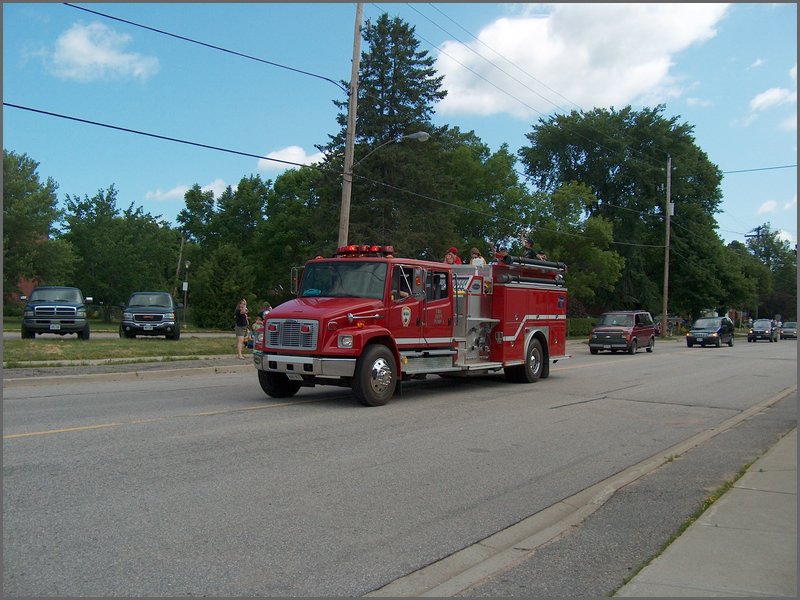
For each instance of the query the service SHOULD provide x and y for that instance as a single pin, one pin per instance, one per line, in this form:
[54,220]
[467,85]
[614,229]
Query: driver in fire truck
[401,283]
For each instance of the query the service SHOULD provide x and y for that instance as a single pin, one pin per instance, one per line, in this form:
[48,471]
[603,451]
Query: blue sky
[730,70]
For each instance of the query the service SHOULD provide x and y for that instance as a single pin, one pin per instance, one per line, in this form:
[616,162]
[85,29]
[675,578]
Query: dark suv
[711,330]
[623,330]
[55,309]
[150,313]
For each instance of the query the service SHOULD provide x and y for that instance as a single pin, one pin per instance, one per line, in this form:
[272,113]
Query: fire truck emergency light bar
[364,250]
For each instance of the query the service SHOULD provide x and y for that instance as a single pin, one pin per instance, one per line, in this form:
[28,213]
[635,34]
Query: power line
[157,136]
[286,162]
[762,169]
[644,160]
[476,38]
[486,59]
[212,46]
[318,168]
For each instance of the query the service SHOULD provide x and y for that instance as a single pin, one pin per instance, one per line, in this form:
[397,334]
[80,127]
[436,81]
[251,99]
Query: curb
[128,375]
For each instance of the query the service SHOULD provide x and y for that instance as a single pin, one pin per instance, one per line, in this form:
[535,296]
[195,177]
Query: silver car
[789,330]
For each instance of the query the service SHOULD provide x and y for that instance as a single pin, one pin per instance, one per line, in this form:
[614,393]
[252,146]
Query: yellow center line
[141,421]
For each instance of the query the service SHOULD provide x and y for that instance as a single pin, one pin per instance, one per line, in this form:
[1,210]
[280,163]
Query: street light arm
[373,151]
[420,136]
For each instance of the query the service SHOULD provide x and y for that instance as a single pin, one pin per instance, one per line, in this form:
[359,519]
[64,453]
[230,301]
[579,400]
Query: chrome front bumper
[304,365]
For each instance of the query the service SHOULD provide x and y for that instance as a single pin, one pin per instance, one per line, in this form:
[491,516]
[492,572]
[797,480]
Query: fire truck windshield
[344,279]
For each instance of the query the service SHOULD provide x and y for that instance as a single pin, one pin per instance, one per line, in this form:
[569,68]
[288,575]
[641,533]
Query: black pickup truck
[150,313]
[55,309]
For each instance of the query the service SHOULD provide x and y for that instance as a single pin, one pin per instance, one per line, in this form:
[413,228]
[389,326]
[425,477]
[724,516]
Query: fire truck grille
[292,334]
[67,312]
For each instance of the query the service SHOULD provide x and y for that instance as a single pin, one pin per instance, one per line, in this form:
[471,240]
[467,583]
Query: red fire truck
[367,320]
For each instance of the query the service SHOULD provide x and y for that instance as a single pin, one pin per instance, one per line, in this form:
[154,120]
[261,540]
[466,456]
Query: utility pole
[758,250]
[178,269]
[668,212]
[352,105]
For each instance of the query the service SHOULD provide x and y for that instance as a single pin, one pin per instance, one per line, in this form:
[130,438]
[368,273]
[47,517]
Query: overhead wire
[469,47]
[153,135]
[495,66]
[207,45]
[286,162]
[219,48]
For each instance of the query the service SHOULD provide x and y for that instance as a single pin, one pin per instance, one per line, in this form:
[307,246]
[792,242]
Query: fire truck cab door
[405,306]
[438,321]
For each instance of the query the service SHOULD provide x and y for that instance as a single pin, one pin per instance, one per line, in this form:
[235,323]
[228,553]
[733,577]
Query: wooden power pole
[668,213]
[352,105]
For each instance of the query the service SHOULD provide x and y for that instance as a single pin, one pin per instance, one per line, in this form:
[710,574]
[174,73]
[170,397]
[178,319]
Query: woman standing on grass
[242,320]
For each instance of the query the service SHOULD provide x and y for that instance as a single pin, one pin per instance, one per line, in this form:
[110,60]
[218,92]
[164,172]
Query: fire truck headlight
[259,337]
[345,341]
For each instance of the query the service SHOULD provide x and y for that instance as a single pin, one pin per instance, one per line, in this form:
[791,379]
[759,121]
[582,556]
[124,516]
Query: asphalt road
[201,485]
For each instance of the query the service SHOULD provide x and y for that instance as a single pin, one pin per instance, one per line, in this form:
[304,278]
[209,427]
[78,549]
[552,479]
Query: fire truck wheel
[533,362]
[277,385]
[531,371]
[375,377]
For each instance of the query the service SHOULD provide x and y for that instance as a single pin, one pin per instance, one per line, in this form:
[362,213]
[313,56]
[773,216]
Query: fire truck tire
[531,371]
[375,378]
[277,385]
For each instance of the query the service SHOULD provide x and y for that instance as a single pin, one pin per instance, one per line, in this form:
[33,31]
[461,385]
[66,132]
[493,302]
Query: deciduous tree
[30,218]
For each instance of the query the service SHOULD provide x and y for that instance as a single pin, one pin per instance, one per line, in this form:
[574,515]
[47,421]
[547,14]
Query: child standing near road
[241,321]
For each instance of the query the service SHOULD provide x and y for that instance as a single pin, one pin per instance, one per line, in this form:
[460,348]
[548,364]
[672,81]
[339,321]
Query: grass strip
[16,352]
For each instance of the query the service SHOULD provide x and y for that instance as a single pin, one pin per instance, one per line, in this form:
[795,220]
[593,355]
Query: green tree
[297,228]
[397,89]
[196,219]
[583,243]
[780,259]
[220,282]
[397,84]
[622,156]
[30,215]
[119,252]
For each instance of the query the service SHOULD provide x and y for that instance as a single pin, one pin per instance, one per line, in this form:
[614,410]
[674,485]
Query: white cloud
[759,62]
[770,206]
[593,55]
[92,52]
[217,186]
[179,191]
[789,123]
[792,204]
[699,102]
[291,154]
[773,97]
[785,236]
[175,193]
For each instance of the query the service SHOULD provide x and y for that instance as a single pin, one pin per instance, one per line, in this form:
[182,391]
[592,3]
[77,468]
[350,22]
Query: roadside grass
[18,352]
[704,505]
[100,326]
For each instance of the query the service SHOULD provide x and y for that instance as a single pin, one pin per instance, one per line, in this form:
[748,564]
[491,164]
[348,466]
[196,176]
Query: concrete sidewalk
[744,545]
